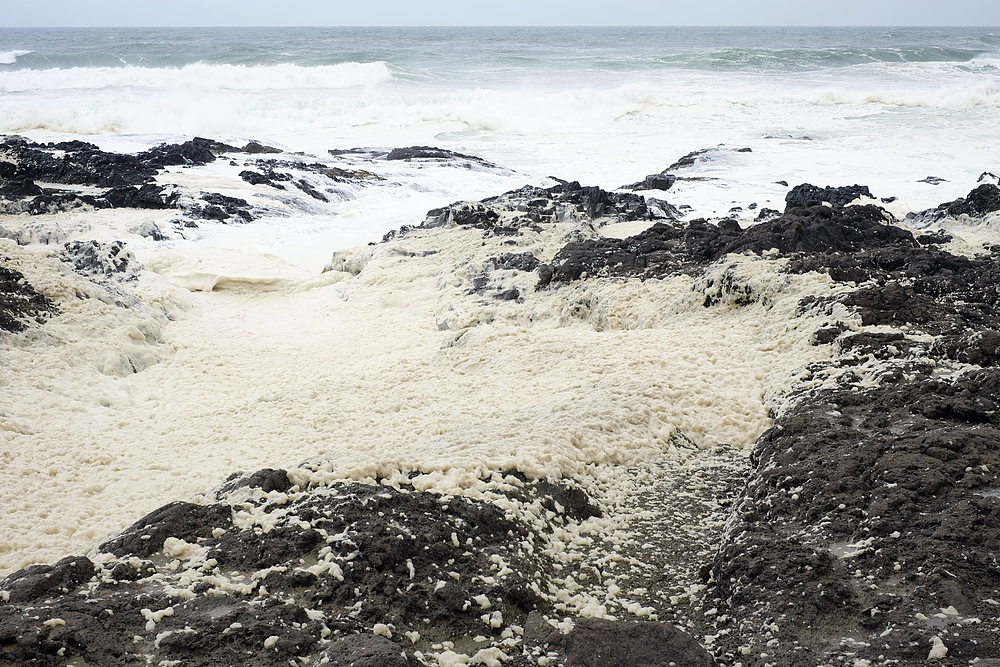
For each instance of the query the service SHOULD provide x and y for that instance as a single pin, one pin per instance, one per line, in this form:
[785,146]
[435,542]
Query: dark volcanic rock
[660,250]
[299,576]
[807,196]
[654,182]
[668,248]
[363,650]
[222,207]
[870,525]
[94,258]
[530,206]
[868,509]
[429,153]
[823,229]
[36,581]
[183,521]
[79,163]
[979,202]
[596,642]
[269,177]
[19,188]
[20,304]
[257,148]
[149,195]
[197,151]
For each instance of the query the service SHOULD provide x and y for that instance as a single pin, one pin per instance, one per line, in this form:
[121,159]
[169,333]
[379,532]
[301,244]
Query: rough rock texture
[531,206]
[20,304]
[870,526]
[429,153]
[30,173]
[596,642]
[981,201]
[666,178]
[807,195]
[866,530]
[667,248]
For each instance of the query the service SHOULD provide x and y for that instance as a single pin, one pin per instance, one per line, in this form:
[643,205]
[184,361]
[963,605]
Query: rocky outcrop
[666,178]
[273,573]
[20,304]
[807,195]
[129,179]
[667,248]
[982,200]
[866,531]
[531,206]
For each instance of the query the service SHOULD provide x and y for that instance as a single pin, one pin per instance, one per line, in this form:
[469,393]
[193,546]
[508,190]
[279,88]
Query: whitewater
[291,342]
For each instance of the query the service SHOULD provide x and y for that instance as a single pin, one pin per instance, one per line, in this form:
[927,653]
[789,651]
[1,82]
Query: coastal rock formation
[40,179]
[981,201]
[863,530]
[273,572]
[807,195]
[666,178]
[531,206]
[20,304]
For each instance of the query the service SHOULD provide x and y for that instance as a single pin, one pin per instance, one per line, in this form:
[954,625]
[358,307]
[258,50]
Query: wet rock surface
[264,577]
[40,179]
[864,529]
[981,201]
[530,206]
[596,642]
[20,304]
[808,195]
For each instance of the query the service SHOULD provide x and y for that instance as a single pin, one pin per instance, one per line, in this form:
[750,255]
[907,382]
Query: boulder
[596,642]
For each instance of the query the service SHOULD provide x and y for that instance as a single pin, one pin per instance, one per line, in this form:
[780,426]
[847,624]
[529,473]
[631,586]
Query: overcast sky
[50,13]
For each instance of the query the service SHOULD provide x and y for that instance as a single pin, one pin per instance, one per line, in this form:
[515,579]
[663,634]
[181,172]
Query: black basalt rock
[185,521]
[20,304]
[331,563]
[823,229]
[363,650]
[36,581]
[149,196]
[596,642]
[19,188]
[197,151]
[980,201]
[807,195]
[429,153]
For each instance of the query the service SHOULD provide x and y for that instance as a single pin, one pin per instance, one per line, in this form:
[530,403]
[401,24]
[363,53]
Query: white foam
[399,368]
[10,57]
[198,76]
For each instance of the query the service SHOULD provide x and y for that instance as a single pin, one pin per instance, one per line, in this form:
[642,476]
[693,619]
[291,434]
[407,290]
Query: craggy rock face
[20,304]
[870,527]
[264,577]
[129,179]
[866,531]
[980,201]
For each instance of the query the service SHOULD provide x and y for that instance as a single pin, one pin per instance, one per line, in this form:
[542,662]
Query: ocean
[238,352]
[885,107]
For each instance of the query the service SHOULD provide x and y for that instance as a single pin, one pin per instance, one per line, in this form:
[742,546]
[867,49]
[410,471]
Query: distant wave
[808,59]
[10,57]
[199,76]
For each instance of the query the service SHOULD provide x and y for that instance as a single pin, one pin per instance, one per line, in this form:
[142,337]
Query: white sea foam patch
[403,367]
[10,57]
[199,76]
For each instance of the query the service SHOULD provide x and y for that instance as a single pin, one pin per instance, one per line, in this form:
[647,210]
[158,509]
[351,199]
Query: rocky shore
[863,528]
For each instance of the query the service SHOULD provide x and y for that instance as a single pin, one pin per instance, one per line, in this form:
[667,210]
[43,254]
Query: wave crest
[199,76]
[10,57]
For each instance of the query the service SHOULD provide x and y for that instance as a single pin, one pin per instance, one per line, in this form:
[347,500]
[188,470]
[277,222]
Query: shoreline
[814,307]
